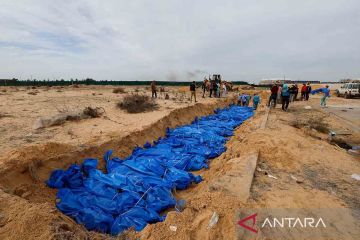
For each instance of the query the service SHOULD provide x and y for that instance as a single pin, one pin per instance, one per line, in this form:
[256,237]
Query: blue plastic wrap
[135,190]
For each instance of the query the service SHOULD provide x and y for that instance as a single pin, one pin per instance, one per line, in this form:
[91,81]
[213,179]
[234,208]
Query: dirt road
[349,114]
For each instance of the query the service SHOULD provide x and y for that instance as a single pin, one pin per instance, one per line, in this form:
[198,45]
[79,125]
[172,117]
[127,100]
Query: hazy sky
[180,39]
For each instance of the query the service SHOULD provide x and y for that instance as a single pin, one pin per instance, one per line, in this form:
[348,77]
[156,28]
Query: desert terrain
[309,170]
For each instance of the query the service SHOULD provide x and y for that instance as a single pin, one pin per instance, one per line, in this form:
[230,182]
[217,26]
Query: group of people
[305,92]
[285,95]
[215,88]
[244,100]
[280,93]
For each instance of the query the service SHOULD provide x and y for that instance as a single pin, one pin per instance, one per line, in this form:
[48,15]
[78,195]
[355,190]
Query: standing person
[224,90]
[153,89]
[296,91]
[256,100]
[326,94]
[303,92]
[279,94]
[291,91]
[193,91]
[239,99]
[285,95]
[243,100]
[211,87]
[308,91]
[273,95]
[248,97]
[203,87]
[218,89]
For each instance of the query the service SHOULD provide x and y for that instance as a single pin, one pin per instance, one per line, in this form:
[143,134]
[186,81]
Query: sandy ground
[324,170]
[27,209]
[28,155]
[21,111]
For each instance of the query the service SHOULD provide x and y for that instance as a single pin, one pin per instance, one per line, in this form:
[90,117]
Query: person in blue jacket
[285,97]
[256,100]
[239,100]
[248,97]
[326,94]
[243,99]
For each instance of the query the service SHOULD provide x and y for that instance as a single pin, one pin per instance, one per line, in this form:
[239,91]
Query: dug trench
[322,172]
[310,173]
[27,205]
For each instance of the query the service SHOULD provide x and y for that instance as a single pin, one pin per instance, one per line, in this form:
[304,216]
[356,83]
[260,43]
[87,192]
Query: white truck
[349,90]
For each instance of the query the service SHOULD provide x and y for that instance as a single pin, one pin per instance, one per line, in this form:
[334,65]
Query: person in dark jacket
[308,91]
[193,91]
[292,93]
[204,86]
[296,91]
[273,95]
[216,89]
[212,83]
[153,89]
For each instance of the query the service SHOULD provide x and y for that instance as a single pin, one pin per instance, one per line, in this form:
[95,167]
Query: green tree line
[90,81]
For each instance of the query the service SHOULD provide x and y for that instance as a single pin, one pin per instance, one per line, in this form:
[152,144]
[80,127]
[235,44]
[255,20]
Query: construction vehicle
[216,77]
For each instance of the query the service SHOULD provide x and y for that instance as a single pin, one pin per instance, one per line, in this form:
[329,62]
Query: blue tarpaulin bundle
[134,190]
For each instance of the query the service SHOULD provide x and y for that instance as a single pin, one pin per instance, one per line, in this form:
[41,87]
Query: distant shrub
[119,90]
[137,103]
[94,112]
